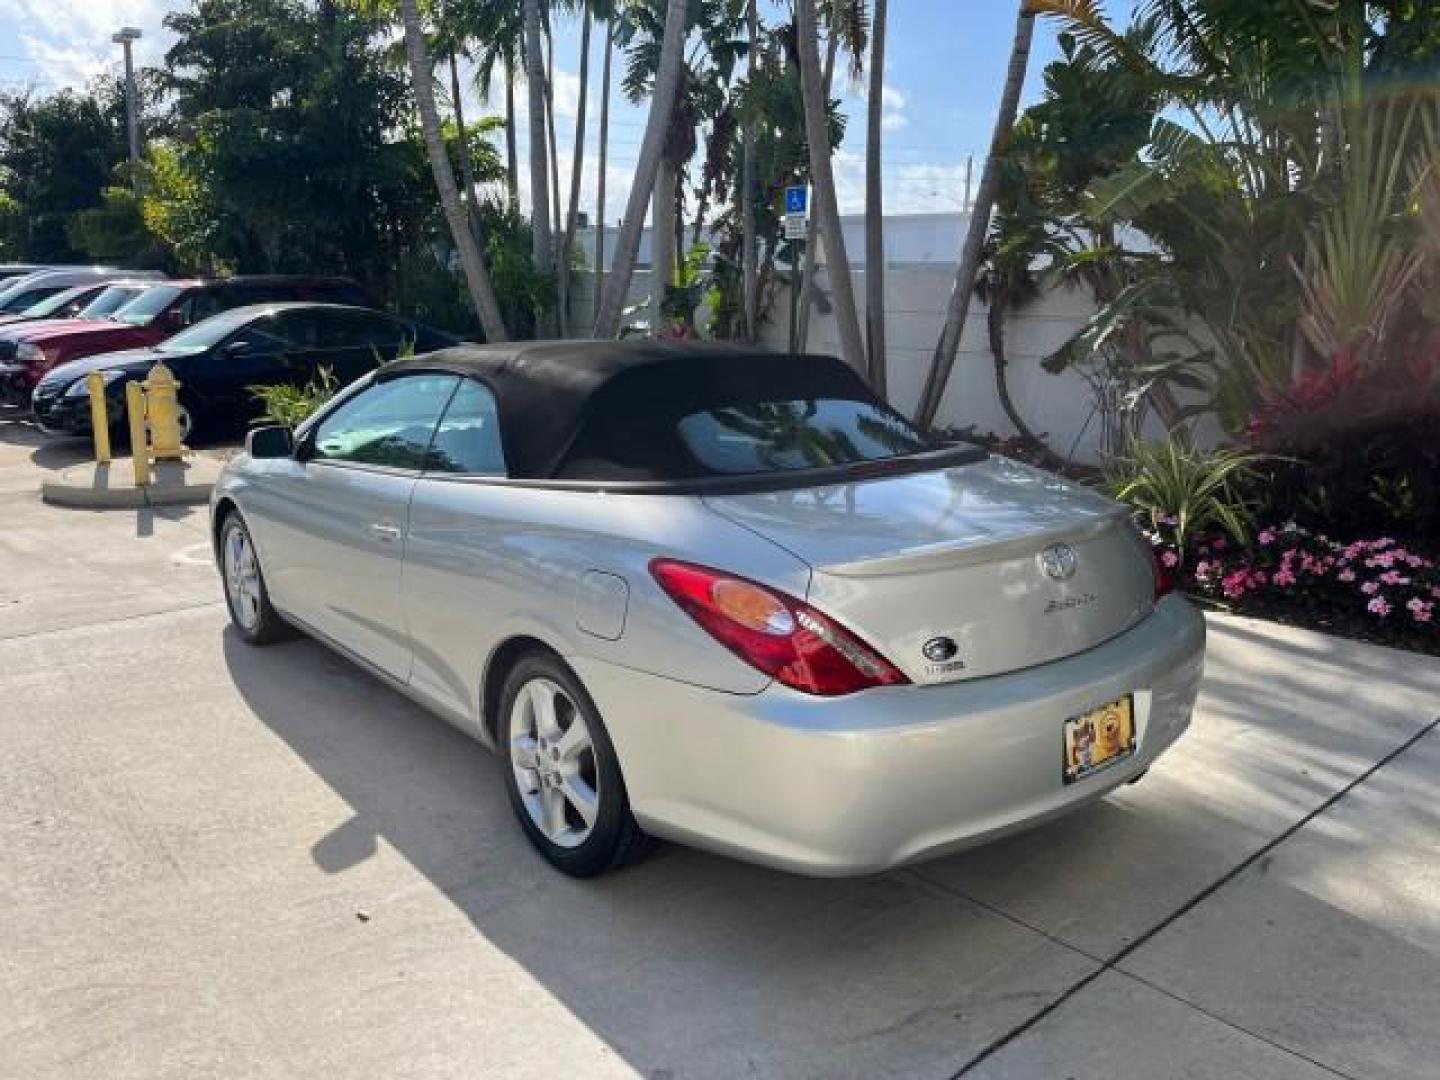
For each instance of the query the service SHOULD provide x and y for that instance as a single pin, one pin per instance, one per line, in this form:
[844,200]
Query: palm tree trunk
[750,277]
[943,361]
[817,135]
[467,164]
[812,249]
[422,76]
[557,215]
[577,162]
[541,249]
[875,210]
[662,241]
[995,318]
[604,164]
[512,162]
[662,105]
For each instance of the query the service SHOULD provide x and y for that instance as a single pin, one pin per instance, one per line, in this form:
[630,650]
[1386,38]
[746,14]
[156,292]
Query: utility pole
[125,39]
[969,162]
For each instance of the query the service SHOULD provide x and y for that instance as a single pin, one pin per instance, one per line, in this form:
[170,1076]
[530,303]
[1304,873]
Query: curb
[89,487]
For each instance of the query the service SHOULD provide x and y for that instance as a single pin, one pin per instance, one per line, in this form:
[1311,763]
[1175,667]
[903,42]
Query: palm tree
[943,361]
[577,168]
[817,137]
[539,165]
[875,210]
[748,257]
[657,125]
[604,153]
[422,76]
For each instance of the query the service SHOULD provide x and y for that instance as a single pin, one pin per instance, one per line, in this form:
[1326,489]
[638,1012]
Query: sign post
[797,222]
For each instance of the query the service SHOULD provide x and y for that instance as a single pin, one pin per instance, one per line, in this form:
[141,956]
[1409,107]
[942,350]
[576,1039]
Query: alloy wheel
[242,576]
[552,754]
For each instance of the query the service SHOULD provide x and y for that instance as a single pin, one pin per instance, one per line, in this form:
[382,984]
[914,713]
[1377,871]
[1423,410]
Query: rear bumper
[888,776]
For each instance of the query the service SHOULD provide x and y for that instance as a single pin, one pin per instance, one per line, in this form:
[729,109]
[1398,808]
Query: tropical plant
[943,361]
[827,208]
[471,260]
[667,83]
[289,405]
[1183,492]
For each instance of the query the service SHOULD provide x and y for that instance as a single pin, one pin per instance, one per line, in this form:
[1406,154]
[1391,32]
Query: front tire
[562,773]
[255,619]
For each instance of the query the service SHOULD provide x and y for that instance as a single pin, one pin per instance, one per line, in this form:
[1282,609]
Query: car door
[333,522]
[357,342]
[455,543]
[221,381]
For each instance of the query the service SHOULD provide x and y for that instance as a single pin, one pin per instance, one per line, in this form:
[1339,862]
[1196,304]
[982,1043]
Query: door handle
[386,534]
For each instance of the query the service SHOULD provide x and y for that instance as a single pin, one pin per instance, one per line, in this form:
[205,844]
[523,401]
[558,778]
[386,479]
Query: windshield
[204,335]
[144,308]
[51,304]
[110,300]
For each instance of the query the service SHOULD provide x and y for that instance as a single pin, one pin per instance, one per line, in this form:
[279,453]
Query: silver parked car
[715,595]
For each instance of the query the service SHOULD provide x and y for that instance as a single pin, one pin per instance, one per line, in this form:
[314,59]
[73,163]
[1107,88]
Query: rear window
[776,436]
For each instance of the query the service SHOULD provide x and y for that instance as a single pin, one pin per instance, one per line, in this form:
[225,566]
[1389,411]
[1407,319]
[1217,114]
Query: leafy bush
[288,405]
[1372,588]
[1183,493]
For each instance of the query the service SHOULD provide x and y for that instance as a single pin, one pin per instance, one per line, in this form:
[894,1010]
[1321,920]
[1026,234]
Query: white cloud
[69,43]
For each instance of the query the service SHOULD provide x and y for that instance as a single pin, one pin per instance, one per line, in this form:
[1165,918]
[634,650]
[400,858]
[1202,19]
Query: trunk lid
[963,572]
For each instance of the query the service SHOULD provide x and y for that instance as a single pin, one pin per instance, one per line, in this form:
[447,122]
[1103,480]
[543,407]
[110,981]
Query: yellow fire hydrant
[163,411]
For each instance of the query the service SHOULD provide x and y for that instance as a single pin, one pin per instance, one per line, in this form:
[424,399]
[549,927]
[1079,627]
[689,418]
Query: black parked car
[219,361]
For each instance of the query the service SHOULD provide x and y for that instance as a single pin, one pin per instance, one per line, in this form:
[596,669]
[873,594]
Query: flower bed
[1376,590]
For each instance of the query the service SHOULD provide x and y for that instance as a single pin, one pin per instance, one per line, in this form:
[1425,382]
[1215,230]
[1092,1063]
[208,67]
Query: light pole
[125,39]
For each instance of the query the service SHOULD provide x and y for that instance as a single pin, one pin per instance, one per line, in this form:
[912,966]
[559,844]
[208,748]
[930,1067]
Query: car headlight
[28,352]
[81,387]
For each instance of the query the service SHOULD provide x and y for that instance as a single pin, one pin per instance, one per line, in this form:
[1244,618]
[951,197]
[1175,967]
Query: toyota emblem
[1058,561]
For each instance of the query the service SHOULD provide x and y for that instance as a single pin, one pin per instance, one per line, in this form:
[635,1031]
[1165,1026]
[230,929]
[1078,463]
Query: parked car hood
[134,360]
[33,328]
[51,329]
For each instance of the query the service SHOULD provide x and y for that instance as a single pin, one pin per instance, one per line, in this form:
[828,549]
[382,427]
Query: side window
[468,438]
[390,424]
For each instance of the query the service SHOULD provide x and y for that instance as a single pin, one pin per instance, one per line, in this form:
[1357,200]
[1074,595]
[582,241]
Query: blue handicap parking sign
[796,199]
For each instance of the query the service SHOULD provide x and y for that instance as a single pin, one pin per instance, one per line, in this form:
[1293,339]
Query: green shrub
[288,405]
[1185,492]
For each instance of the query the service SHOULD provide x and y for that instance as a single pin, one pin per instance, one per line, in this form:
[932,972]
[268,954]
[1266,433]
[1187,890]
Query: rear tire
[562,774]
[254,618]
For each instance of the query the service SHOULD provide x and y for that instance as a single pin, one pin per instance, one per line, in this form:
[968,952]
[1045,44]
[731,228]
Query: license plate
[1099,738]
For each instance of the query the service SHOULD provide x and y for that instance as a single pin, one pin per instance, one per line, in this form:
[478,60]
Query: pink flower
[1235,584]
[1169,559]
[1266,537]
[1283,579]
[1420,610]
[1346,576]
[1218,543]
[1394,577]
[1370,588]
[1379,606]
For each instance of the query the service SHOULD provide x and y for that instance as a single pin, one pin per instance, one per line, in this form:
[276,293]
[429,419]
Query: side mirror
[269,443]
[173,321]
[237,348]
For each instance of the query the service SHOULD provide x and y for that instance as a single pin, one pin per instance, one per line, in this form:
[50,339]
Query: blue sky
[945,66]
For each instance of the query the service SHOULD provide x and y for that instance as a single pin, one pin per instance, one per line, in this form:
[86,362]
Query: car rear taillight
[788,640]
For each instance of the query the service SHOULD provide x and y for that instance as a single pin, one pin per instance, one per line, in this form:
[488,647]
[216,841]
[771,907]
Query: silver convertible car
[714,595]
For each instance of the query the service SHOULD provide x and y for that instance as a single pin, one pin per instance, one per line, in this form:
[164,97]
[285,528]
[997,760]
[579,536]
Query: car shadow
[679,963]
[692,964]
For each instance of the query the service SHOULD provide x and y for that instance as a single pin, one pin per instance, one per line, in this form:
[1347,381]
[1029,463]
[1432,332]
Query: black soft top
[597,410]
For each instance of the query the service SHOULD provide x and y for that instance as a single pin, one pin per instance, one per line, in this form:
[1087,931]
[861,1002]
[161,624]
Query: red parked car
[28,351]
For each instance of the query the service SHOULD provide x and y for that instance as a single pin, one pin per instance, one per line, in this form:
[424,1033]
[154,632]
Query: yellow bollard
[139,448]
[99,417]
[162,394]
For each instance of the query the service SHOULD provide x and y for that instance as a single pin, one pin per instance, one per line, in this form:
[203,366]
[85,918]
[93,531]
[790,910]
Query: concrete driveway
[224,862]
